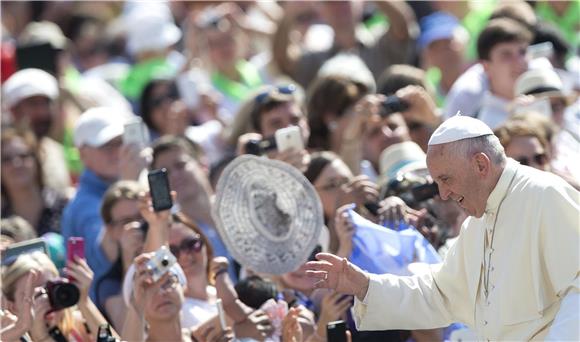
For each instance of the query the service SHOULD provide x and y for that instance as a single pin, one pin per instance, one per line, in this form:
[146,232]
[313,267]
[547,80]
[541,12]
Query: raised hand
[83,276]
[338,274]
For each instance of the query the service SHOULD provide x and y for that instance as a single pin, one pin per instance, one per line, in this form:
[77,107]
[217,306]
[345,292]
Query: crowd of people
[367,83]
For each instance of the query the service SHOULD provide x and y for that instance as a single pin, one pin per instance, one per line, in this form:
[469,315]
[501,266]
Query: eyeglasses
[285,90]
[538,159]
[190,244]
[9,159]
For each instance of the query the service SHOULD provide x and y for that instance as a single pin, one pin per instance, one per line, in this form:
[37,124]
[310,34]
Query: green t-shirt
[141,73]
[569,23]
[249,80]
[474,22]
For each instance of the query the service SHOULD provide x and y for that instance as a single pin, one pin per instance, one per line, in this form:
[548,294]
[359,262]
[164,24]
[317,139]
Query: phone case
[159,188]
[75,247]
[289,137]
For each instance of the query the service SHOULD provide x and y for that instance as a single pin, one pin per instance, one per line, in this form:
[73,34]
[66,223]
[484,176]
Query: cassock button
[484,322]
[492,268]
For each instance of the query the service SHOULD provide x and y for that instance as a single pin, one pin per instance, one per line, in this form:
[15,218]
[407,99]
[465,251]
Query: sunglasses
[538,159]
[188,245]
[285,90]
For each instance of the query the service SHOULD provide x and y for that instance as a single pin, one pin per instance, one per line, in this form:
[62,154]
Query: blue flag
[379,250]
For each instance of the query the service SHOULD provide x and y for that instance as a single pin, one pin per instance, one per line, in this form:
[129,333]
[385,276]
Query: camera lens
[164,262]
[62,295]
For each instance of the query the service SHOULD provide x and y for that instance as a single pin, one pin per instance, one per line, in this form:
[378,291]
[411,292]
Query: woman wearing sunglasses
[194,253]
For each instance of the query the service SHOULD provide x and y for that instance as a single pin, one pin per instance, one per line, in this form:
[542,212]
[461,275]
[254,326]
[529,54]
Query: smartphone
[336,331]
[75,246]
[135,133]
[221,314]
[289,137]
[159,188]
[29,246]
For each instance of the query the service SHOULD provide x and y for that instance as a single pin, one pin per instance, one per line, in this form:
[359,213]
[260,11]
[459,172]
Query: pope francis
[513,273]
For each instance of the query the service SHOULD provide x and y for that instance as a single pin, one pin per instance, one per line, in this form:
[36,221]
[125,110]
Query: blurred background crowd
[366,82]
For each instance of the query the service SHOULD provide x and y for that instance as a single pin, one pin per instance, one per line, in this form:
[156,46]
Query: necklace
[487,256]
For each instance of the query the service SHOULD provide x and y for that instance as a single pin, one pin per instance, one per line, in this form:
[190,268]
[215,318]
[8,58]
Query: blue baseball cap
[436,26]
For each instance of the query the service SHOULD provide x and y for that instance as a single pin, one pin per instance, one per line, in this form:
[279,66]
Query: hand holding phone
[75,247]
[160,191]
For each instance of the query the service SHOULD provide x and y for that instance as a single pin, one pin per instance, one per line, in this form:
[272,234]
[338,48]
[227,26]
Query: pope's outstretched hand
[338,274]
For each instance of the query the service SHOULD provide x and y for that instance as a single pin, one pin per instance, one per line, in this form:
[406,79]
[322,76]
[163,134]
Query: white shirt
[534,269]
[494,110]
[196,311]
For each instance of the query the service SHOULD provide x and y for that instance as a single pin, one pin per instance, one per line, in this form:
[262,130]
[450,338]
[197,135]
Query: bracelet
[221,271]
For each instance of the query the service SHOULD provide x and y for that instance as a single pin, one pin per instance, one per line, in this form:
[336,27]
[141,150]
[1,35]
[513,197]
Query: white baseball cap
[27,83]
[97,126]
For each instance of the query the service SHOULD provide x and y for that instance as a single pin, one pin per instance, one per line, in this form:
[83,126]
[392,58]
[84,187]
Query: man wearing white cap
[513,273]
[98,136]
[29,97]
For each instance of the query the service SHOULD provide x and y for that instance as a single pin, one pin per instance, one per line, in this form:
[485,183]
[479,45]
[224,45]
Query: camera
[105,335]
[62,294]
[260,147]
[161,262]
[393,104]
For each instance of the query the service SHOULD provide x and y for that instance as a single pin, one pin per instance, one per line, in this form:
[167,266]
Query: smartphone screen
[159,188]
[40,56]
[336,331]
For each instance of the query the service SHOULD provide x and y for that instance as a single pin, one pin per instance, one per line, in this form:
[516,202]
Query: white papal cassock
[531,265]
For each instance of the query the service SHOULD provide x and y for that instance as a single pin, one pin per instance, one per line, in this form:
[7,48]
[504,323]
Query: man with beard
[30,97]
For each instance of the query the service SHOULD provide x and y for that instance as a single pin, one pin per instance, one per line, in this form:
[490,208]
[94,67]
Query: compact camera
[161,262]
[62,294]
[393,104]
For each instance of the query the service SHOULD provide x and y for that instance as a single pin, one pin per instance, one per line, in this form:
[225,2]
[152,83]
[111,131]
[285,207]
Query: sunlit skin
[507,61]
[329,185]
[103,160]
[123,212]
[36,111]
[381,133]
[18,167]
[193,263]
[164,300]
[282,116]
[528,147]
[20,288]
[466,180]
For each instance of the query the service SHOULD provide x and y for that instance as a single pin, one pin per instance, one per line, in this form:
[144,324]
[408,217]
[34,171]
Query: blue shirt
[82,217]
[219,248]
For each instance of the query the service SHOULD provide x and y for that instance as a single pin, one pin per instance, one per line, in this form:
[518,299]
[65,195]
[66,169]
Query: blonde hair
[23,264]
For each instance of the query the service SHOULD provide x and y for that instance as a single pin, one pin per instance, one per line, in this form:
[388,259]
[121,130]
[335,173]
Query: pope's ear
[481,163]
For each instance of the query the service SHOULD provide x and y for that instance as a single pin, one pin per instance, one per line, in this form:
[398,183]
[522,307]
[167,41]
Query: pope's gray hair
[487,144]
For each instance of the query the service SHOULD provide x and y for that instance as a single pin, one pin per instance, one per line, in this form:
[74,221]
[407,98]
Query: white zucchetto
[459,127]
